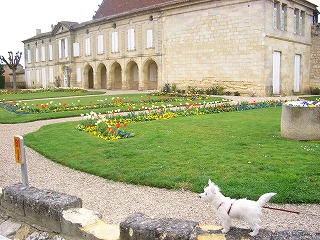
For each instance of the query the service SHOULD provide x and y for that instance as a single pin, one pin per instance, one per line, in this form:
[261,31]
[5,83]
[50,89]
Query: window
[283,25]
[131,42]
[276,11]
[43,53]
[279,16]
[100,44]
[78,75]
[76,49]
[37,54]
[28,56]
[88,47]
[115,43]
[51,74]
[301,22]
[149,38]
[63,48]
[295,20]
[50,53]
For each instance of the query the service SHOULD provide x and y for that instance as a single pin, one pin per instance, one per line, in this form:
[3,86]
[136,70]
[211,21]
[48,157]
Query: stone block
[300,123]
[41,207]
[142,227]
[87,224]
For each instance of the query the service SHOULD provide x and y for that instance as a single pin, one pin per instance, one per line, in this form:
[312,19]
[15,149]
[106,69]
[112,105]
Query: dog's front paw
[224,231]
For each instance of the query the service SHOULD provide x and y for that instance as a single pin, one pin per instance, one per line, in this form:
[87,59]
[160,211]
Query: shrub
[315,91]
[166,88]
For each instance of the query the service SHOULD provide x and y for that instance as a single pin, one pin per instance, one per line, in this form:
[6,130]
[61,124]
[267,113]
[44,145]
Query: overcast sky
[21,18]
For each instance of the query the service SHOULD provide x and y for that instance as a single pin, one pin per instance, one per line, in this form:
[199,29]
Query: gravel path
[115,201]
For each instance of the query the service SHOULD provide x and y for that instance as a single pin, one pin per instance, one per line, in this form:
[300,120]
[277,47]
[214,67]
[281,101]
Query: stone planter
[300,123]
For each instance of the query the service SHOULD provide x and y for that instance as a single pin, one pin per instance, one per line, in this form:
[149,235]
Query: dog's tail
[264,199]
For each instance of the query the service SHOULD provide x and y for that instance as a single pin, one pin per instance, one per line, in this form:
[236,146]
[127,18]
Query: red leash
[280,209]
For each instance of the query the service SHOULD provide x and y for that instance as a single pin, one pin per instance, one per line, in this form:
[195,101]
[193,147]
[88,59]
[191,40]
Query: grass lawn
[243,152]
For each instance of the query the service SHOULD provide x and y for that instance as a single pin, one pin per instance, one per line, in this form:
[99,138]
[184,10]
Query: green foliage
[167,88]
[315,91]
[236,93]
[243,152]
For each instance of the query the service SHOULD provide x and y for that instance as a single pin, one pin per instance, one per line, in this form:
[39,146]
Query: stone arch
[132,76]
[101,76]
[116,76]
[88,77]
[150,75]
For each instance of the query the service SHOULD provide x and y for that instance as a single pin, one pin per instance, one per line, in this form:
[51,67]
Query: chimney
[38,31]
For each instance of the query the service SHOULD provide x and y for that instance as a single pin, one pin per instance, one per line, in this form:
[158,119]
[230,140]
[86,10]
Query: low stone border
[141,227]
[41,207]
[63,214]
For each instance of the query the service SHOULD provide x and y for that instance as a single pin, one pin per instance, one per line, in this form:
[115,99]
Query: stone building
[20,77]
[255,47]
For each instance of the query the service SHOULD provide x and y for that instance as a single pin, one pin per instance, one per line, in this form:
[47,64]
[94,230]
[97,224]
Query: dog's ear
[209,182]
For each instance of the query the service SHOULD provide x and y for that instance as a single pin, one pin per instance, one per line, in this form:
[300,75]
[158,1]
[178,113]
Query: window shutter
[76,49]
[78,75]
[60,50]
[37,54]
[100,44]
[43,53]
[88,49]
[29,77]
[115,44]
[131,39]
[51,74]
[50,53]
[29,56]
[297,72]
[37,76]
[66,49]
[44,75]
[149,38]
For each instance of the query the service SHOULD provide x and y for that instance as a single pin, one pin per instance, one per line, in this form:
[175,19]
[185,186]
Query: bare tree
[12,64]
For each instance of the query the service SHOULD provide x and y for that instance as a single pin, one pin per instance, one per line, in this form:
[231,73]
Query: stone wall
[315,57]
[217,43]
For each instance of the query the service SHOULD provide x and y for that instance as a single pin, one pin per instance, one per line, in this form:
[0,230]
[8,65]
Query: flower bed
[107,126]
[300,120]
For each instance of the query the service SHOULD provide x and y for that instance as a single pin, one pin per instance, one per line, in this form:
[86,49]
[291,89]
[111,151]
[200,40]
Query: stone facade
[255,47]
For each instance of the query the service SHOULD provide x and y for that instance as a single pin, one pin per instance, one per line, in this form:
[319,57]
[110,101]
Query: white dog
[243,209]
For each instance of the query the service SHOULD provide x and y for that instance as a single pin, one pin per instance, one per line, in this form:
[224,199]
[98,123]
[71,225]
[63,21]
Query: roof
[115,7]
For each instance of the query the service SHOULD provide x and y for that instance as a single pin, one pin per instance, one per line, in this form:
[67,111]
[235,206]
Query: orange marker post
[20,156]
